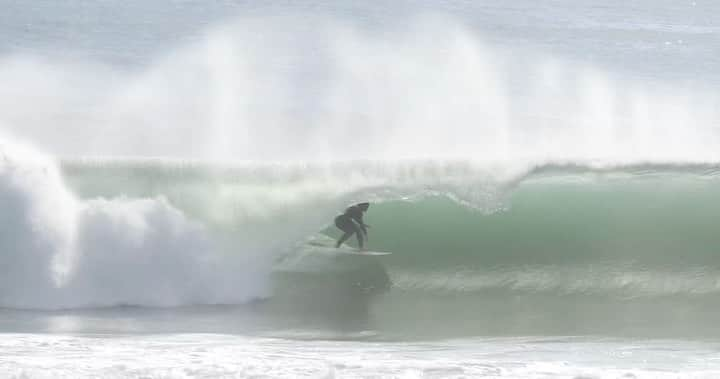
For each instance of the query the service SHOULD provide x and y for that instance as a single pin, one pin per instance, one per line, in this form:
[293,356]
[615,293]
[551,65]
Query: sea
[545,173]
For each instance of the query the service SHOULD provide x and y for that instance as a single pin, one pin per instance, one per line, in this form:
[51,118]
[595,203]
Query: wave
[475,156]
[457,219]
[600,246]
[517,191]
[628,181]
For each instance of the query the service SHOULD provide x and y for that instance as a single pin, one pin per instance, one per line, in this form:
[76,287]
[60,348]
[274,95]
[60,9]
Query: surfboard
[346,250]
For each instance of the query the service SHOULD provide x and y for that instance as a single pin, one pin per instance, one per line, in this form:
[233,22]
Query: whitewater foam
[185,355]
[59,251]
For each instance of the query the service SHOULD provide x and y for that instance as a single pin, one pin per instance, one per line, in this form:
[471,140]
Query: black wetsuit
[351,222]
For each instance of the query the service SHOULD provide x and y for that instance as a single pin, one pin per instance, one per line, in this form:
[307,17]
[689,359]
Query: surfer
[351,222]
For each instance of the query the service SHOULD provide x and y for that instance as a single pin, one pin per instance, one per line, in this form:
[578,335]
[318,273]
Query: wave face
[627,250]
[557,249]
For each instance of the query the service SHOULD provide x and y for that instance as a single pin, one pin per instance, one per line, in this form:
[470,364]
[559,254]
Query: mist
[312,88]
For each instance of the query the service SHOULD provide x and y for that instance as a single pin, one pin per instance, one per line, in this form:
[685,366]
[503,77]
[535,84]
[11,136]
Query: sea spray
[271,88]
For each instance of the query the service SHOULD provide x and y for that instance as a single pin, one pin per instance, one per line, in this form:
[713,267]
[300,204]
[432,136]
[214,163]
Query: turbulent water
[545,176]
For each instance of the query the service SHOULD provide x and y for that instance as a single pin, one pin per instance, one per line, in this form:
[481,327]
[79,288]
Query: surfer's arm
[363,227]
[360,224]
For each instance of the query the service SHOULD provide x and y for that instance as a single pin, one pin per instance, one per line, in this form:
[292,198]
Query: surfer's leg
[341,223]
[360,239]
[344,238]
[348,227]
[359,234]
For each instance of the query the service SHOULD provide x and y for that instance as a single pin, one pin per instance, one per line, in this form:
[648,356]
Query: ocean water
[545,174]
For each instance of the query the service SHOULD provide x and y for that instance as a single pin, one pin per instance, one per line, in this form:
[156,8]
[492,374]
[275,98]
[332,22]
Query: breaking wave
[612,243]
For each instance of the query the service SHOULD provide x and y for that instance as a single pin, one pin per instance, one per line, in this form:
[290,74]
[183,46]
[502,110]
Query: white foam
[58,251]
[211,356]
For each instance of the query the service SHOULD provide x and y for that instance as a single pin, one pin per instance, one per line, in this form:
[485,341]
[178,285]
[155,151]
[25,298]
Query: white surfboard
[346,250]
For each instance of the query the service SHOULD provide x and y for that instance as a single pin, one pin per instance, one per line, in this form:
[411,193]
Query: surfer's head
[364,206]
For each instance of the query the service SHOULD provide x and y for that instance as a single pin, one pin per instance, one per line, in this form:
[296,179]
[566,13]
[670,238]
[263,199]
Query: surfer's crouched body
[351,222]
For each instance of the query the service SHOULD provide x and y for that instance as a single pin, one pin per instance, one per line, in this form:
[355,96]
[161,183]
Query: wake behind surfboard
[345,250]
